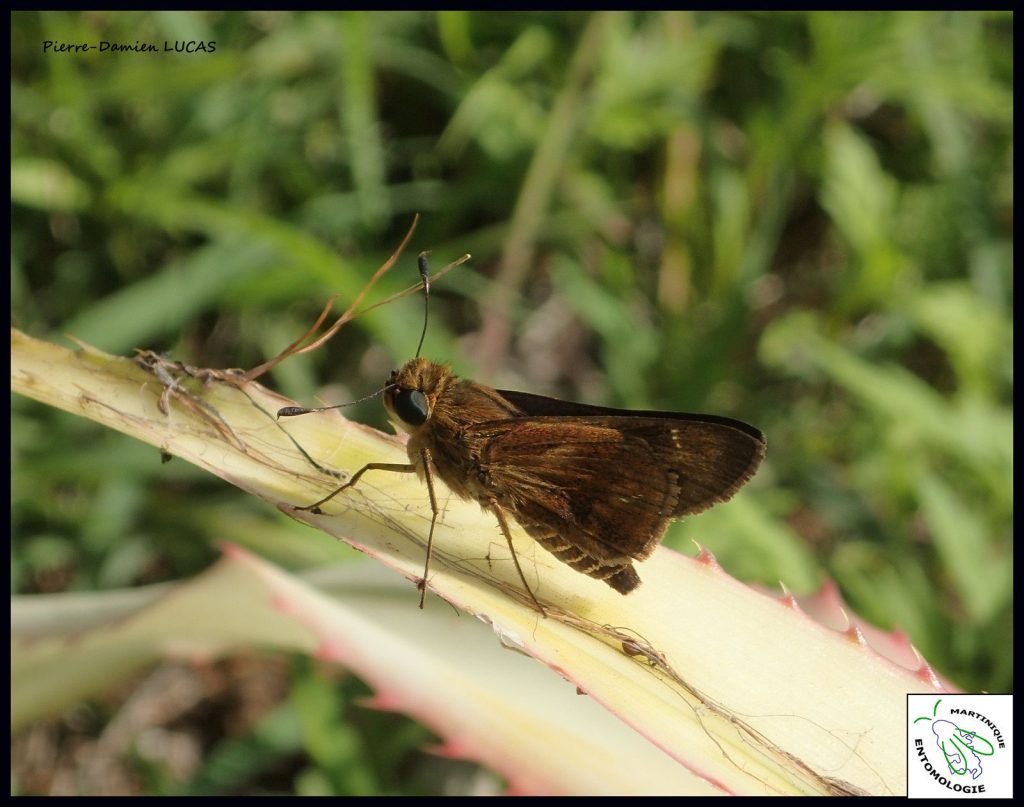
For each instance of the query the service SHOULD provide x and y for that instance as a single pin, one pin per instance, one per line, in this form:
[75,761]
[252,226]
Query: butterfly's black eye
[411,406]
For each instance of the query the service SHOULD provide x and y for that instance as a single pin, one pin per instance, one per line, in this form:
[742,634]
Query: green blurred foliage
[799,219]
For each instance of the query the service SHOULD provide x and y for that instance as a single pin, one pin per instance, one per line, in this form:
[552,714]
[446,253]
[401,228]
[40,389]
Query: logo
[959,746]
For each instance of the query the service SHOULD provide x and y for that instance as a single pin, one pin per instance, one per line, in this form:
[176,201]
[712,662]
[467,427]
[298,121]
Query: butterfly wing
[598,490]
[713,456]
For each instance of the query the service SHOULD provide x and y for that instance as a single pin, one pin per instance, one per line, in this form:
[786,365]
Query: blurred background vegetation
[801,220]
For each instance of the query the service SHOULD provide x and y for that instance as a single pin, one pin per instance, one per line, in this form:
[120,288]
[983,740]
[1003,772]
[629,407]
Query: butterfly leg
[398,468]
[428,475]
[495,508]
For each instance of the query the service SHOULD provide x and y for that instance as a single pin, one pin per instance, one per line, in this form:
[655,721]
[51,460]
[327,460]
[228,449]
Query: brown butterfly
[596,487]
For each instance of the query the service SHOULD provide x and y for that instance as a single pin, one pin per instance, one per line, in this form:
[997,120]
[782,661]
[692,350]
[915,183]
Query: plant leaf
[747,695]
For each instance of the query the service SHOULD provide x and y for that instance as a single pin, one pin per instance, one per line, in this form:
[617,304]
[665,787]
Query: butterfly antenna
[421,262]
[292,411]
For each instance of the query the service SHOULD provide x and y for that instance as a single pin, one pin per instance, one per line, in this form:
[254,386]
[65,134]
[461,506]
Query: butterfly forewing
[715,456]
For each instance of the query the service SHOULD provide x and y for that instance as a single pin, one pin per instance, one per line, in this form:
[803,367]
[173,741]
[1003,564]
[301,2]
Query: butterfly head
[412,393]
